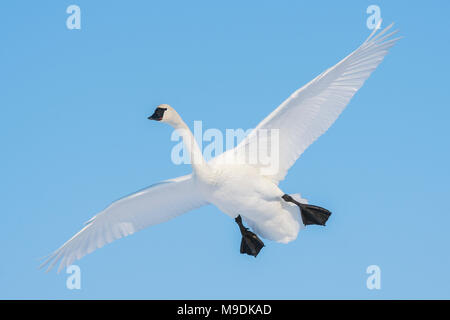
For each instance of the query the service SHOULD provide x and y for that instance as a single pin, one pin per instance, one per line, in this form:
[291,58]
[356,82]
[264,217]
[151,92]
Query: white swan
[240,189]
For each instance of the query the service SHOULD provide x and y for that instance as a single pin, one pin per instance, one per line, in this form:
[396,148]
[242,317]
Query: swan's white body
[239,188]
[242,190]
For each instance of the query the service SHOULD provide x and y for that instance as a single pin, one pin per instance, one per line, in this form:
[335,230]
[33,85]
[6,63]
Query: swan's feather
[155,204]
[312,109]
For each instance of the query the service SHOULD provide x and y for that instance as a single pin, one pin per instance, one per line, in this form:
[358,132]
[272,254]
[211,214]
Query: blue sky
[74,137]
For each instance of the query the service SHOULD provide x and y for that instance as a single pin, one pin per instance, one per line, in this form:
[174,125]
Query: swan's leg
[310,214]
[250,243]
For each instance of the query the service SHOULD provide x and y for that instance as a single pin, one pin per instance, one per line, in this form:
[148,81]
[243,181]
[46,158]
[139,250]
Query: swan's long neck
[197,161]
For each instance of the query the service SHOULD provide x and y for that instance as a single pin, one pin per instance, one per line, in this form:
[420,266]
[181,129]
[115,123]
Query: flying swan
[260,203]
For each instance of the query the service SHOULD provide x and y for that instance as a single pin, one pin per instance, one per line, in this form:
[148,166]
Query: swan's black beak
[154,117]
[158,114]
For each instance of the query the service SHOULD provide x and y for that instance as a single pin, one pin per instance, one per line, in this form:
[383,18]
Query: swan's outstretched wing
[156,204]
[311,110]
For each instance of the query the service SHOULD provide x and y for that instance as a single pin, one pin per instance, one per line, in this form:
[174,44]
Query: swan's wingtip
[378,26]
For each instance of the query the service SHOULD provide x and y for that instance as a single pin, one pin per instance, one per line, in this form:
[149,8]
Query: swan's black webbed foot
[310,214]
[250,243]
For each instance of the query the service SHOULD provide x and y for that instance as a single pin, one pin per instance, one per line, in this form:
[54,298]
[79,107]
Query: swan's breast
[239,189]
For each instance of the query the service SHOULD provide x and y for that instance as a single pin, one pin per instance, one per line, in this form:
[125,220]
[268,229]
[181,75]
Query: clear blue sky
[74,137]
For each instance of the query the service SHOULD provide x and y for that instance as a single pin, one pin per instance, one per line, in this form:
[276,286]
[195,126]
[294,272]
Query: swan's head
[165,113]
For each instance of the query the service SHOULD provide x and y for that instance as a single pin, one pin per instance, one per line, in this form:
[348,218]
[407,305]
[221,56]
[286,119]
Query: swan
[240,189]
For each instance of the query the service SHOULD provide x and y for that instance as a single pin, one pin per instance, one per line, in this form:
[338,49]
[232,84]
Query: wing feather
[312,109]
[155,204]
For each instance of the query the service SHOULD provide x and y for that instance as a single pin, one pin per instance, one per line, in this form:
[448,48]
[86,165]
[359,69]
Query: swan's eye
[158,114]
